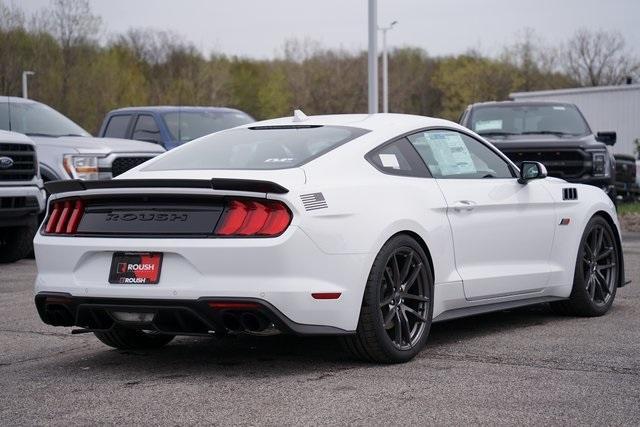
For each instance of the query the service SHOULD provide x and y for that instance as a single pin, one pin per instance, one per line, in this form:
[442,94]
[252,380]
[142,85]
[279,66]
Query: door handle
[464,205]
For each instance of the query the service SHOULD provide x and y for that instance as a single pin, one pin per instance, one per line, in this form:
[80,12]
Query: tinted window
[398,158]
[37,119]
[450,154]
[187,125]
[528,119]
[274,147]
[117,126]
[146,129]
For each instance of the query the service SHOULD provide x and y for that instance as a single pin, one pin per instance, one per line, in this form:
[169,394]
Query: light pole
[373,56]
[385,68]
[25,75]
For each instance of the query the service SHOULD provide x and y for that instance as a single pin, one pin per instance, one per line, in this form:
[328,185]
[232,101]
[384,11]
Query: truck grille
[24,162]
[559,163]
[625,169]
[122,164]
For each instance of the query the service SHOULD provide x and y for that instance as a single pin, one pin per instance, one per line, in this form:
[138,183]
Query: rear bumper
[280,272]
[175,317]
[19,204]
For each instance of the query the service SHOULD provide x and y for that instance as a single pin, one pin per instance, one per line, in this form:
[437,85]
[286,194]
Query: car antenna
[299,116]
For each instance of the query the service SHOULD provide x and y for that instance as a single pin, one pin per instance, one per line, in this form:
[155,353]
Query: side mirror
[531,170]
[608,138]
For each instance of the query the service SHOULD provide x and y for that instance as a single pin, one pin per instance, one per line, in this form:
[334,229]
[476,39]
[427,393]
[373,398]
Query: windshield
[36,119]
[558,119]
[187,125]
[265,147]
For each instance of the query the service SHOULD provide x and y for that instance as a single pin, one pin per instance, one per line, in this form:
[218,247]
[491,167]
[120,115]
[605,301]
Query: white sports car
[371,227]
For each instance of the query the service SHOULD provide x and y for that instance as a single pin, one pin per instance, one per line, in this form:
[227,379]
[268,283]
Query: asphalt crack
[52,334]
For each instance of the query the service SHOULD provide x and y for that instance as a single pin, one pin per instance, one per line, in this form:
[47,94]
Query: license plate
[135,268]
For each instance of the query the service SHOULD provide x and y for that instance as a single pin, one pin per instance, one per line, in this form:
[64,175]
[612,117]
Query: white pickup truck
[22,197]
[65,150]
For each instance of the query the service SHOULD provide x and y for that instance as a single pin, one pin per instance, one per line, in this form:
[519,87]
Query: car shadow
[283,355]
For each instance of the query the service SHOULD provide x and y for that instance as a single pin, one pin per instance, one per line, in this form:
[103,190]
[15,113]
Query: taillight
[65,217]
[266,218]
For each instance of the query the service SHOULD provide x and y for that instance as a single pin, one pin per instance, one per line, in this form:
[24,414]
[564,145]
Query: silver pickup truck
[22,197]
[65,150]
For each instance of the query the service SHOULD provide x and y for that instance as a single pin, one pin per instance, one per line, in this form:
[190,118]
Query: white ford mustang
[366,226]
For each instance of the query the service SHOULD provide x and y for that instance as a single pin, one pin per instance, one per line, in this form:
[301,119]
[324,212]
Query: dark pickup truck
[553,133]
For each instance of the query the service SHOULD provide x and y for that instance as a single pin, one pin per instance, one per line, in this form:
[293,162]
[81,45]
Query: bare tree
[599,58]
[74,26]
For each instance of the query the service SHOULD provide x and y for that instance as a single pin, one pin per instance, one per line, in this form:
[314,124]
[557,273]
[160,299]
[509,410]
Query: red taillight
[254,218]
[65,217]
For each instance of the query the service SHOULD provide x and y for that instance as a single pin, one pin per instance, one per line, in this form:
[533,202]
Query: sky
[259,28]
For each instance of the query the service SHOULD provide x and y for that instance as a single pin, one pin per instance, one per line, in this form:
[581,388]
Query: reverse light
[252,218]
[81,167]
[65,217]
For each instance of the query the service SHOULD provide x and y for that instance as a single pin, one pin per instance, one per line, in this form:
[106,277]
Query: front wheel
[397,306]
[596,273]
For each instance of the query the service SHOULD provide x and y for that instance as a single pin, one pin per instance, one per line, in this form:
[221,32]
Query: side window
[146,129]
[450,154]
[117,126]
[398,158]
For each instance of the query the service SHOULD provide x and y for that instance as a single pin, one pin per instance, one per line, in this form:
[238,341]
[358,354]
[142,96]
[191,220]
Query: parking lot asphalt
[525,366]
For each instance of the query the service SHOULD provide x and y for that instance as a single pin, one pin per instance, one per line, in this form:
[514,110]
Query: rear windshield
[560,119]
[264,147]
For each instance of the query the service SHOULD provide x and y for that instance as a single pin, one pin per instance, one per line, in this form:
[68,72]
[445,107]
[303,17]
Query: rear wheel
[596,274]
[17,242]
[133,339]
[397,306]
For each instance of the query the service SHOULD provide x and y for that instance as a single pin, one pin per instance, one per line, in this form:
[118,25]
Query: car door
[502,230]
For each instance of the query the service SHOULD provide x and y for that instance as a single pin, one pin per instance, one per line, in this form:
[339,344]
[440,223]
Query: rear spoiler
[252,185]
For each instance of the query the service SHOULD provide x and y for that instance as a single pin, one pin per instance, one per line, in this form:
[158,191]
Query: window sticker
[389,161]
[488,125]
[559,107]
[451,153]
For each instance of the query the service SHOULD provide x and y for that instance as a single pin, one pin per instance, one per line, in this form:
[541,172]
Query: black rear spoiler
[252,185]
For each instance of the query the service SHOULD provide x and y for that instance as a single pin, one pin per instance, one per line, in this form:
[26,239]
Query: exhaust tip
[231,322]
[253,322]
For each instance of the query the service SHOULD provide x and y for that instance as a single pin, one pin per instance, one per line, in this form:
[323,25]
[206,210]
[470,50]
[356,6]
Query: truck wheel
[133,339]
[17,242]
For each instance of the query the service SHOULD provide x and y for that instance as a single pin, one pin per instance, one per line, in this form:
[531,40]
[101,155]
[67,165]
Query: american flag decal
[313,201]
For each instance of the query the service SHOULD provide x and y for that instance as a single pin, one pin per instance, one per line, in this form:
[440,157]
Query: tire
[17,242]
[405,304]
[133,339]
[596,274]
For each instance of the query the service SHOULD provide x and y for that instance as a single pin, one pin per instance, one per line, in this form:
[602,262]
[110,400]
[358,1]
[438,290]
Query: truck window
[117,126]
[146,129]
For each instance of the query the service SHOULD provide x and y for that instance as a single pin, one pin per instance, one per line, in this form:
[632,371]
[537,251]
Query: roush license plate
[135,268]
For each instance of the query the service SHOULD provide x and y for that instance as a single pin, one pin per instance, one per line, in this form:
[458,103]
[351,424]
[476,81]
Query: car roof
[519,103]
[399,123]
[173,108]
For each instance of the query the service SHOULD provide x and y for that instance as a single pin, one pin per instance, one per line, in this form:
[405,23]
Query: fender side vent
[313,201]
[570,193]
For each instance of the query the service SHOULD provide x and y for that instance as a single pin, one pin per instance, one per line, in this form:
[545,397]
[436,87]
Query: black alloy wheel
[397,305]
[404,300]
[597,272]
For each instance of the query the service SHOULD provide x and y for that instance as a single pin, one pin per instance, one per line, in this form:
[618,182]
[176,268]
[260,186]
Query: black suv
[553,133]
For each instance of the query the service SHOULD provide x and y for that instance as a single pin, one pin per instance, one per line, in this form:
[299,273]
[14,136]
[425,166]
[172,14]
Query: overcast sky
[258,28]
